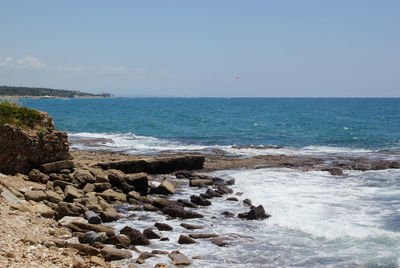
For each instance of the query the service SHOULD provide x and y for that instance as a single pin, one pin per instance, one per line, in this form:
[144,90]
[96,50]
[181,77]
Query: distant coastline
[37,93]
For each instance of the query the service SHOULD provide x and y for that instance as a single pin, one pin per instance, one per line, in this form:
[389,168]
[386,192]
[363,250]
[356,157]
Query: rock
[164,239]
[166,188]
[200,201]
[150,234]
[92,217]
[89,187]
[149,207]
[255,213]
[183,239]
[204,195]
[190,226]
[57,166]
[162,165]
[116,177]
[109,215]
[232,199]
[37,176]
[62,184]
[131,265]
[91,237]
[65,171]
[85,227]
[82,177]
[140,181]
[68,219]
[161,265]
[145,255]
[219,242]
[136,237]
[230,182]
[112,196]
[247,202]
[98,261]
[162,203]
[163,226]
[159,252]
[200,182]
[72,240]
[53,196]
[10,197]
[71,193]
[224,189]
[123,239]
[68,209]
[29,238]
[201,236]
[227,214]
[112,254]
[334,171]
[35,196]
[187,203]
[43,210]
[178,258]
[102,186]
[84,249]
[179,212]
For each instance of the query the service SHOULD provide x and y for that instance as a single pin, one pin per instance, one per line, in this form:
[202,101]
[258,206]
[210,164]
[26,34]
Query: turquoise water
[318,220]
[349,123]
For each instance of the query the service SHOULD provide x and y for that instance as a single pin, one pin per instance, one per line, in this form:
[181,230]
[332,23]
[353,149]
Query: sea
[317,219]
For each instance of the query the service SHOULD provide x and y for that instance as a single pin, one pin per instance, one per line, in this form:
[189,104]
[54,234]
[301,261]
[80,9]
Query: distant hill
[46,92]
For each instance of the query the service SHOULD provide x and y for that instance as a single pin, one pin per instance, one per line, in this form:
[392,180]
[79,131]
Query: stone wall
[21,150]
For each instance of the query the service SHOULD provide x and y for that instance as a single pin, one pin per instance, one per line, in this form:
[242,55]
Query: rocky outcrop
[23,149]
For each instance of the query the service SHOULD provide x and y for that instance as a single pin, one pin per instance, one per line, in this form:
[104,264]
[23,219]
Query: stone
[161,265]
[201,236]
[166,188]
[68,219]
[72,240]
[149,207]
[109,215]
[159,252]
[57,166]
[68,209]
[200,182]
[89,187]
[224,189]
[200,201]
[112,254]
[98,261]
[53,196]
[71,193]
[190,226]
[37,176]
[91,237]
[334,171]
[221,242]
[62,184]
[162,203]
[178,258]
[43,210]
[102,186]
[92,217]
[255,213]
[85,227]
[227,214]
[247,202]
[163,226]
[10,197]
[150,234]
[35,196]
[183,239]
[65,171]
[123,239]
[187,203]
[29,238]
[145,255]
[179,212]
[84,249]
[116,177]
[140,181]
[112,196]
[135,236]
[82,177]
[232,199]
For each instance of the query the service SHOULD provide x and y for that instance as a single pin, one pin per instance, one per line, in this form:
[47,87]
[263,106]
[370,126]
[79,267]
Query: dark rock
[37,176]
[149,207]
[57,166]
[65,171]
[62,184]
[200,201]
[247,202]
[109,215]
[91,237]
[201,236]
[232,199]
[126,188]
[230,182]
[183,239]
[213,193]
[140,181]
[227,214]
[179,212]
[219,242]
[224,189]
[150,234]
[200,182]
[190,226]
[102,186]
[84,249]
[71,193]
[206,196]
[187,203]
[81,177]
[162,203]
[164,165]
[334,171]
[255,213]
[164,239]
[166,188]
[159,252]
[92,217]
[136,237]
[86,227]
[163,226]
[145,255]
[68,209]
[178,258]
[112,254]
[116,177]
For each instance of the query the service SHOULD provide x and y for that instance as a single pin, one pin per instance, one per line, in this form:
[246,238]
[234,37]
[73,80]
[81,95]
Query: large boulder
[24,149]
[135,236]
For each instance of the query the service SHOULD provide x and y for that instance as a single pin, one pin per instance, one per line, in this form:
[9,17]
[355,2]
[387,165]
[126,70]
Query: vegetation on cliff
[48,92]
[14,114]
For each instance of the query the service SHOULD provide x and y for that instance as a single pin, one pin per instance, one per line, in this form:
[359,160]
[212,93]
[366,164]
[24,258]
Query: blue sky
[348,48]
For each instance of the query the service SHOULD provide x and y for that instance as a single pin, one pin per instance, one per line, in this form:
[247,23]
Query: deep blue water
[293,122]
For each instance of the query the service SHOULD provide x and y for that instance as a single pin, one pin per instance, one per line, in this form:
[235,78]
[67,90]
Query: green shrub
[13,113]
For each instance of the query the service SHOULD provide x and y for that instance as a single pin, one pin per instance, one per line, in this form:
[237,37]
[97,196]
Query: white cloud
[26,62]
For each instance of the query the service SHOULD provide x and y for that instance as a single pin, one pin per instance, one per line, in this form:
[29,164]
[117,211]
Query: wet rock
[163,226]
[140,181]
[150,234]
[116,177]
[213,193]
[149,207]
[37,176]
[190,226]
[221,242]
[187,203]
[178,258]
[162,203]
[161,265]
[159,252]
[71,193]
[227,214]
[255,213]
[202,236]
[334,171]
[224,189]
[200,182]
[135,236]
[145,255]
[247,202]
[91,237]
[230,182]
[164,239]
[206,196]
[166,188]
[200,201]
[92,217]
[232,199]
[178,212]
[35,196]
[109,215]
[183,239]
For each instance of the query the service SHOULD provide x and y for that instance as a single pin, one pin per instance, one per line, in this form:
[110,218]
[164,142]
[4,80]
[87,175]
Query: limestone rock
[68,219]
[112,196]
[163,226]
[140,181]
[10,197]
[112,254]
[35,196]
[183,239]
[71,193]
[30,239]
[43,210]
[37,176]
[50,167]
[53,196]
[166,188]
[150,234]
[136,237]
[178,258]
[109,215]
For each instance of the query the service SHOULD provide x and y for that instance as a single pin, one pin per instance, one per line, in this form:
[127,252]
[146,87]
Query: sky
[207,48]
